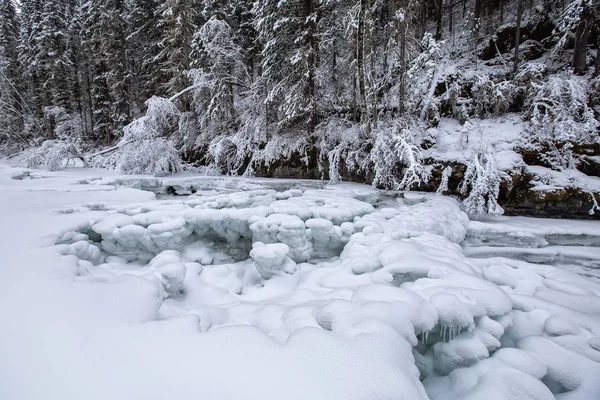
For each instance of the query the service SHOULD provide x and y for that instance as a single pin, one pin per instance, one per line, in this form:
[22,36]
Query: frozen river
[231,288]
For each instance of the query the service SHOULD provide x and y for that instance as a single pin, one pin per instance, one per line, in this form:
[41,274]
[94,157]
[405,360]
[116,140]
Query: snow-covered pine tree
[146,147]
[422,77]
[98,90]
[104,32]
[31,14]
[177,20]
[395,153]
[335,90]
[288,31]
[241,20]
[218,71]
[576,23]
[52,56]
[79,60]
[359,22]
[559,116]
[143,40]
[482,184]
[12,109]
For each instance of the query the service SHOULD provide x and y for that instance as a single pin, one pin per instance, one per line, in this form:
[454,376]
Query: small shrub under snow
[343,145]
[446,173]
[52,155]
[558,116]
[144,148]
[55,153]
[397,147]
[482,183]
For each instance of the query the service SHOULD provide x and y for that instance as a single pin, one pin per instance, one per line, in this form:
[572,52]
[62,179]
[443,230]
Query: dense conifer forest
[334,89]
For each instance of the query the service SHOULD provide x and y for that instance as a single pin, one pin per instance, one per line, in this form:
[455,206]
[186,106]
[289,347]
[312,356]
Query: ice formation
[348,261]
[272,259]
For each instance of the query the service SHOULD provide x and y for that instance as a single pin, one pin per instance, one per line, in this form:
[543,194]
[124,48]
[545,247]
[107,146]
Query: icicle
[424,337]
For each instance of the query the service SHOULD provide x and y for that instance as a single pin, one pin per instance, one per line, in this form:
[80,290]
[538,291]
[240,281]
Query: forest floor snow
[256,288]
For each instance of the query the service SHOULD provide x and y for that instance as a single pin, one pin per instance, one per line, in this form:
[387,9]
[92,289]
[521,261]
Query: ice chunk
[292,232]
[452,312]
[326,238]
[272,259]
[286,229]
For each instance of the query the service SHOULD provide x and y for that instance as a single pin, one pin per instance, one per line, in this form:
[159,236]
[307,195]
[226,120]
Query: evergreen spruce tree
[143,48]
[217,73]
[31,14]
[79,59]
[178,20]
[52,57]
[11,107]
[241,19]
[104,32]
[289,36]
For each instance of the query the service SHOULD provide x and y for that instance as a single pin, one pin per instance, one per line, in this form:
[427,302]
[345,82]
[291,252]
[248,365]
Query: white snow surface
[271,289]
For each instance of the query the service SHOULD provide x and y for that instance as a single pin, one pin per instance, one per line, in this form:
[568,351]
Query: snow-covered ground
[271,289]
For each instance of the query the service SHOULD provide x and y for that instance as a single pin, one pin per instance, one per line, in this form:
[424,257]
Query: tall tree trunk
[582,35]
[450,17]
[478,8]
[439,6]
[90,103]
[518,35]
[423,19]
[597,66]
[387,34]
[311,28]
[402,61]
[360,65]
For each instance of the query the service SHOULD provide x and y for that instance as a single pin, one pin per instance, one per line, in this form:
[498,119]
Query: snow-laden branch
[397,148]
